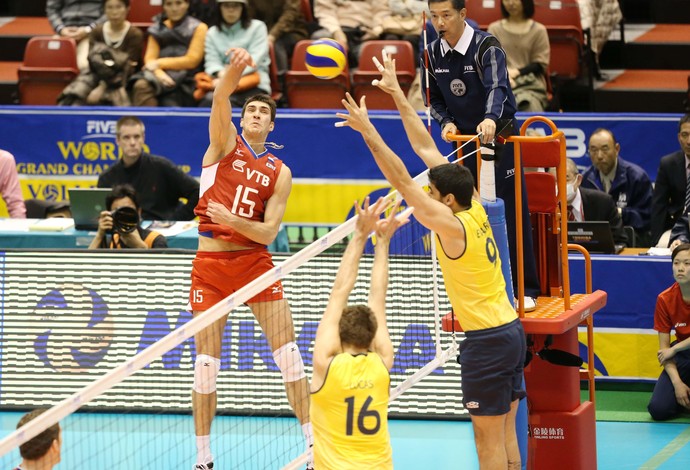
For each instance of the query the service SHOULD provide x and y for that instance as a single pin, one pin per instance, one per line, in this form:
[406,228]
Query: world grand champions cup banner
[58,148]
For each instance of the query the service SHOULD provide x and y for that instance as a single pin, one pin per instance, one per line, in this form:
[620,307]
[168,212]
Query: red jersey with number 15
[243,182]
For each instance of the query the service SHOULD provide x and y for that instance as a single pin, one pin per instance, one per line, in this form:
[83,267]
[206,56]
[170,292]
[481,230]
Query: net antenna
[426,73]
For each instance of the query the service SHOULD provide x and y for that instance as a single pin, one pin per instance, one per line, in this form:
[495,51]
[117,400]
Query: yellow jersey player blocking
[493,353]
[353,355]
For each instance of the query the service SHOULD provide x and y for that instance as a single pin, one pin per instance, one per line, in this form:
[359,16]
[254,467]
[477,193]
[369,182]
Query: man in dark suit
[668,200]
[586,204]
[627,183]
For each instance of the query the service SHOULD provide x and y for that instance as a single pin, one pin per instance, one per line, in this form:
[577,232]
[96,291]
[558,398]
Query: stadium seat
[304,90]
[405,66]
[558,13]
[141,12]
[567,53]
[306,8]
[276,85]
[50,63]
[484,12]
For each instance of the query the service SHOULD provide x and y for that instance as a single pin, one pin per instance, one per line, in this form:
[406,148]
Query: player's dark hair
[683,120]
[679,249]
[128,121]
[451,178]
[457,4]
[263,98]
[527,9]
[38,446]
[357,326]
[121,191]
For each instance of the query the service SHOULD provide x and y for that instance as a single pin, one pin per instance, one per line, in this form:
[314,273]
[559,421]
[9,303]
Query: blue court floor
[125,442]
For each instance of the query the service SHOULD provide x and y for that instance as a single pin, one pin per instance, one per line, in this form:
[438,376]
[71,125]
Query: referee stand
[560,427]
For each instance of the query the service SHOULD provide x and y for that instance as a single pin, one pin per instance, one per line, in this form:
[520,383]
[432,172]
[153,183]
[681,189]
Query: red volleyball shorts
[217,274]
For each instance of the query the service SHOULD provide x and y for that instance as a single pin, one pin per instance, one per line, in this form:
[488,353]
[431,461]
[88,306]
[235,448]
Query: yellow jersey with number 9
[349,415]
[474,281]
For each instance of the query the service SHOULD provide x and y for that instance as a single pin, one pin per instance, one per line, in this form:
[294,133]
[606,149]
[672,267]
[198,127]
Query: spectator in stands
[286,26]
[174,54]
[528,52]
[43,450]
[670,187]
[236,30]
[586,204]
[350,22]
[600,18]
[627,183]
[671,393]
[76,19]
[405,21]
[121,220]
[158,182]
[115,49]
[9,186]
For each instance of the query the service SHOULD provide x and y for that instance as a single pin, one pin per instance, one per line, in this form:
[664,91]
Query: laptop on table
[594,236]
[87,204]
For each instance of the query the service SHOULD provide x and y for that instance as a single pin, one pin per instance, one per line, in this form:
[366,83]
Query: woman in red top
[671,394]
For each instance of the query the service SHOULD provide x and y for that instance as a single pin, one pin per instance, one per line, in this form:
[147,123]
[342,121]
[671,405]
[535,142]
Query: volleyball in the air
[325,58]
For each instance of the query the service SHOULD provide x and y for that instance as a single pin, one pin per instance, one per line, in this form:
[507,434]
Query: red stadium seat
[567,53]
[50,63]
[562,21]
[306,8]
[276,86]
[484,12]
[141,12]
[304,90]
[405,67]
[558,13]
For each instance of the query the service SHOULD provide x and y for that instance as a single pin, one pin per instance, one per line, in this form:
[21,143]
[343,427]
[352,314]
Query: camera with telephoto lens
[125,219]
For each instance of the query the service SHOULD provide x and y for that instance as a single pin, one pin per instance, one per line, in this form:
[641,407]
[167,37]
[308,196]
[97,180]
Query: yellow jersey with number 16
[474,281]
[349,415]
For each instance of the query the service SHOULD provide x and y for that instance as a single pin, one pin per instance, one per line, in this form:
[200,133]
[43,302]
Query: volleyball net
[109,332]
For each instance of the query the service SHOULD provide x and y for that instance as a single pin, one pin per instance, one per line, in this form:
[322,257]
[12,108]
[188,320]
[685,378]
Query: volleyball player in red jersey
[243,194]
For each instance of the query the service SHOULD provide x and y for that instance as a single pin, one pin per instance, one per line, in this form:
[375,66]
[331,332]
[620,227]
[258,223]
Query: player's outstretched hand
[369,214]
[358,117]
[385,228]
[389,80]
[240,57]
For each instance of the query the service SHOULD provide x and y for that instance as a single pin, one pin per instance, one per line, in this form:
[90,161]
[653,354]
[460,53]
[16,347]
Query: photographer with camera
[121,222]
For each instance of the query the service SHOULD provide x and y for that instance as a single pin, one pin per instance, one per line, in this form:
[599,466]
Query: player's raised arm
[327,342]
[385,229]
[221,130]
[431,213]
[422,143]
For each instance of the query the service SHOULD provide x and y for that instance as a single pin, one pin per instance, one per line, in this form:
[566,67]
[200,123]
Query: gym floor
[126,441]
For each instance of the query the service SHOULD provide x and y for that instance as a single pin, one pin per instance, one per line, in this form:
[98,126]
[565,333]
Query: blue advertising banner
[57,148]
